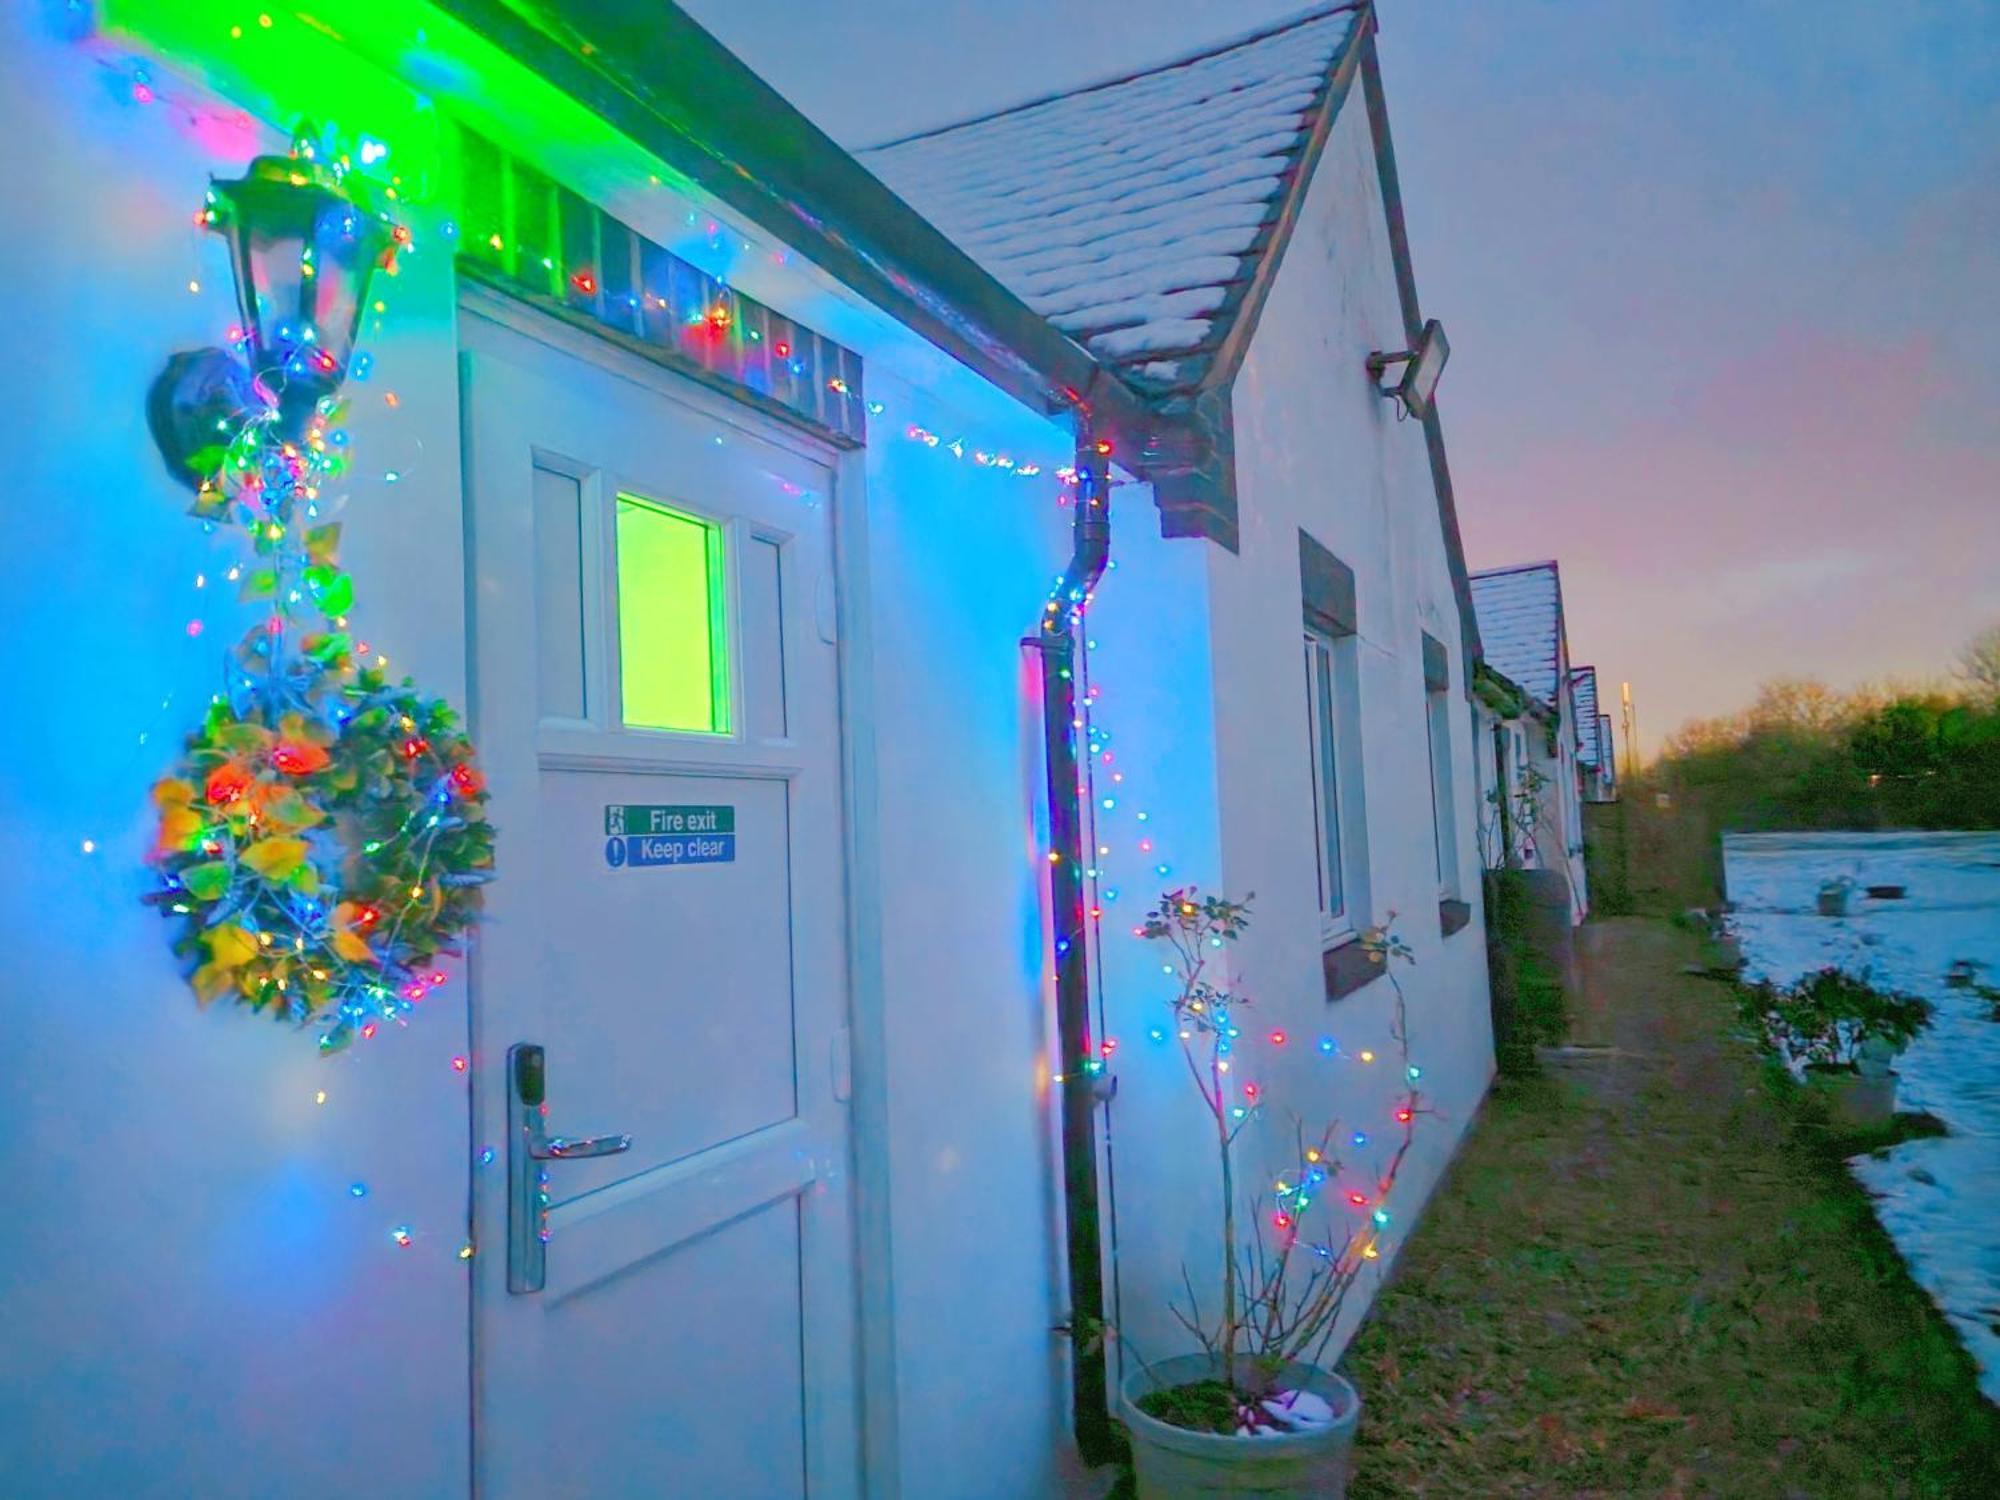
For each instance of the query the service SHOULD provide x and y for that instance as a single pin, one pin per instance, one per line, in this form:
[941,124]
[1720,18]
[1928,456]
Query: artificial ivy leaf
[207,880]
[288,812]
[179,828]
[230,946]
[328,647]
[277,860]
[321,542]
[172,791]
[209,981]
[240,737]
[335,593]
[259,583]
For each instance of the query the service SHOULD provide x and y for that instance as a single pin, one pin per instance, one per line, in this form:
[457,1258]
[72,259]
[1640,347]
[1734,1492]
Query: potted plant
[1255,1412]
[1834,894]
[1841,1033]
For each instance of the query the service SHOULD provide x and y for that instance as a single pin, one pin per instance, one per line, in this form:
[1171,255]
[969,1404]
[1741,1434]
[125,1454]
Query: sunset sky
[1722,284]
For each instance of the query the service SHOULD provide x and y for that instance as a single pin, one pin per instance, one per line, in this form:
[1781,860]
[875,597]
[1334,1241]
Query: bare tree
[1979,663]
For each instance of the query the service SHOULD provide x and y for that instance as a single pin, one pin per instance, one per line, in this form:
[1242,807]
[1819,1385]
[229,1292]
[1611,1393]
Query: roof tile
[1126,212]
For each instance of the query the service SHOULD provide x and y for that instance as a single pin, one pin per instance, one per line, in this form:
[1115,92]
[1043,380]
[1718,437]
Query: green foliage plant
[1823,1022]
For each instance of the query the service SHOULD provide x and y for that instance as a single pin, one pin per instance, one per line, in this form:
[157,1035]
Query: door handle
[529,1145]
[562,1148]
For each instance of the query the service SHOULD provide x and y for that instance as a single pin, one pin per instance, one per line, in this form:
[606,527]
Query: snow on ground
[1940,1198]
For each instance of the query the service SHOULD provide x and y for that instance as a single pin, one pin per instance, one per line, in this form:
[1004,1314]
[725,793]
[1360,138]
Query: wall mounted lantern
[1421,368]
[301,251]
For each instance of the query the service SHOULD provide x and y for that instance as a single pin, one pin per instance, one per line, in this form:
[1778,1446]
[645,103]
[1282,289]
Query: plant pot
[1858,1100]
[1833,901]
[1174,1463]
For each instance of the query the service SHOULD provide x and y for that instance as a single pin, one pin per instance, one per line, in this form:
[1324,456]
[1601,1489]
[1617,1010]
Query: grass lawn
[1652,1275]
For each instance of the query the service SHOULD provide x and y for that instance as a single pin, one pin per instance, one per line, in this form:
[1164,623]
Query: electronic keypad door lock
[529,1145]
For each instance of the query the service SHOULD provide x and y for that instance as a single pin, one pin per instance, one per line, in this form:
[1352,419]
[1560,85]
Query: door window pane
[673,664]
[559,595]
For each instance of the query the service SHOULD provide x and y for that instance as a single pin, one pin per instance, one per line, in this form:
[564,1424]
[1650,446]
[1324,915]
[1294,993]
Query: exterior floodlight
[1421,368]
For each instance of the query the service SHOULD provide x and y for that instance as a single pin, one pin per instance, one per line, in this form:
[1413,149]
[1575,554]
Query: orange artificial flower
[299,757]
[227,782]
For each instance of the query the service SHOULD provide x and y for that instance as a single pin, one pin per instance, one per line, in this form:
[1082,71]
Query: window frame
[1333,748]
[721,540]
[1442,764]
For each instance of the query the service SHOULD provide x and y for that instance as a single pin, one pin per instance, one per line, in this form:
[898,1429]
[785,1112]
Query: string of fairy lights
[1107,798]
[1106,801]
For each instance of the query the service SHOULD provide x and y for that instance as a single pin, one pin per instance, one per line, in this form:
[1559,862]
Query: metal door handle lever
[562,1148]
[528,1145]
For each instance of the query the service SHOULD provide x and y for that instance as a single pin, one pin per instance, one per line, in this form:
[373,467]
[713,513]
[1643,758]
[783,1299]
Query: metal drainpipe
[1082,1084]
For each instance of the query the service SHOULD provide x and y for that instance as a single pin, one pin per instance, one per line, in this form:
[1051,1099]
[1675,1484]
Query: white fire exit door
[655,700]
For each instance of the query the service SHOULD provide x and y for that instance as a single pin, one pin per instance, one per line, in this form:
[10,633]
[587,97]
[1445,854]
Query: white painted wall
[194,1297]
[195,1303]
[1316,448]
[1566,793]
[960,559]
[196,1300]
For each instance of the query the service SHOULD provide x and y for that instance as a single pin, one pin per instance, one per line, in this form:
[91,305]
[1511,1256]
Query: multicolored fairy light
[308,751]
[1269,1310]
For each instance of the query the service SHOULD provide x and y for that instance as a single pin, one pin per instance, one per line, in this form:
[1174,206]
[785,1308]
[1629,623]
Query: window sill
[1348,966]
[1453,916]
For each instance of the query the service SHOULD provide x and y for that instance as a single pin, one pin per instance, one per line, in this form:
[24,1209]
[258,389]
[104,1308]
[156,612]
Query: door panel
[715,1007]
[668,925]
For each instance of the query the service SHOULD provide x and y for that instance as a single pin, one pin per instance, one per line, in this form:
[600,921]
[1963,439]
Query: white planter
[1176,1464]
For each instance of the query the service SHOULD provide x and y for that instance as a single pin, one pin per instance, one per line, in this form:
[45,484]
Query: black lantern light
[301,251]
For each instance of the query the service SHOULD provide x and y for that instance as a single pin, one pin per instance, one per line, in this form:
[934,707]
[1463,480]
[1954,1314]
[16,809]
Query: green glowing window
[672,654]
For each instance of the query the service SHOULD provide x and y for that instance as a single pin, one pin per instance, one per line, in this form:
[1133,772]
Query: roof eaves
[1413,326]
[1243,306]
[649,70]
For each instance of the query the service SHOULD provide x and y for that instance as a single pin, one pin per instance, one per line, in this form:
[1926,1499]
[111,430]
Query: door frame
[861,846]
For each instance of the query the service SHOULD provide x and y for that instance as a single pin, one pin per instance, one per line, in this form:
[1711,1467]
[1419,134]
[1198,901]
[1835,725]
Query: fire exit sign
[642,835]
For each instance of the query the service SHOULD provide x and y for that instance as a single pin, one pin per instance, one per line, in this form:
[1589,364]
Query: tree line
[1804,756]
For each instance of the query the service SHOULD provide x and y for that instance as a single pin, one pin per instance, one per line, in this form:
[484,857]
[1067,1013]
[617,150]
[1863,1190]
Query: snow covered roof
[1130,213]
[1583,688]
[1520,624]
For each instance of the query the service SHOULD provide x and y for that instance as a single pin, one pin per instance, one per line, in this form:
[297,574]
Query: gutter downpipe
[1082,1081]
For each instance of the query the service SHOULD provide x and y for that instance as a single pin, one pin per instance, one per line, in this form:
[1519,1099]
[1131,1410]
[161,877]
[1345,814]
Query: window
[673,666]
[1326,778]
[1437,725]
[1333,720]
[559,635]
[1339,835]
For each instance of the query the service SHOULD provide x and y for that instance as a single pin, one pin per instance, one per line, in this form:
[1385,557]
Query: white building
[1526,641]
[1597,771]
[718,485]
